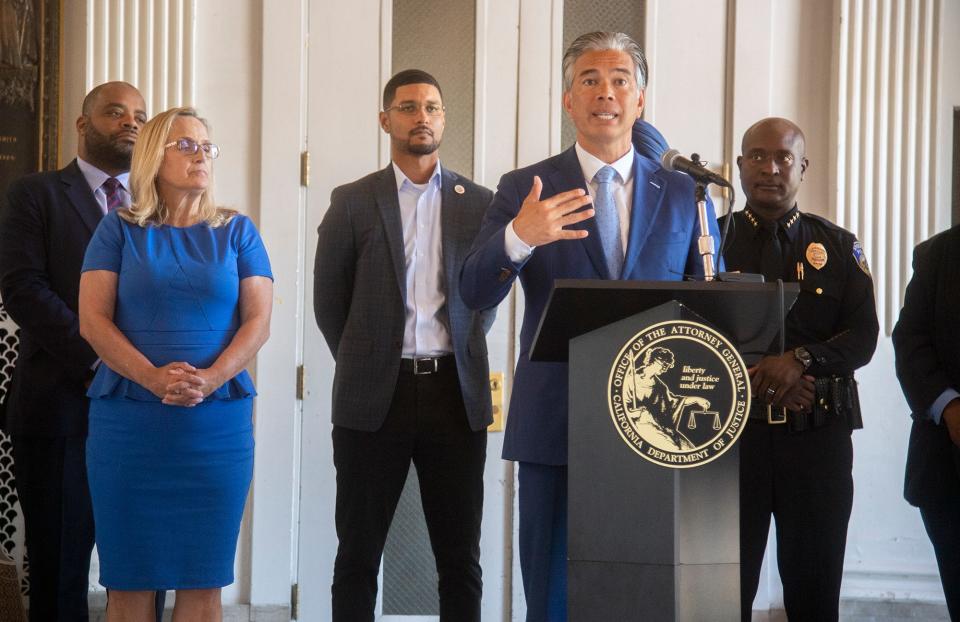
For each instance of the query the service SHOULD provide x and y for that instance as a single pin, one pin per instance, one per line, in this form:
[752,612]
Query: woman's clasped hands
[181,384]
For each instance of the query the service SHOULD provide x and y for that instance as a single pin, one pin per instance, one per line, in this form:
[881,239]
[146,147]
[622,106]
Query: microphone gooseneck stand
[705,241]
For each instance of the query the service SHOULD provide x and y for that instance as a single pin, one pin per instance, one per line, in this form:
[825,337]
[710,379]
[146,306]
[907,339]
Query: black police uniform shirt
[834,317]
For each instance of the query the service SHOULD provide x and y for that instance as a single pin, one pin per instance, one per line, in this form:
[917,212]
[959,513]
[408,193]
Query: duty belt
[834,397]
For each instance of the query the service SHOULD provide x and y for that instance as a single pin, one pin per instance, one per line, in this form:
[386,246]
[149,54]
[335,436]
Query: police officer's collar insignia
[788,221]
[817,255]
[678,394]
[861,257]
[792,220]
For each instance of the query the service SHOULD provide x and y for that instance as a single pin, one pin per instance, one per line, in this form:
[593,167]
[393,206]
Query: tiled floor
[850,611]
[874,611]
[885,611]
[232,613]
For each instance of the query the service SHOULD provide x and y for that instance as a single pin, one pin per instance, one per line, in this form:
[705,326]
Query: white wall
[949,98]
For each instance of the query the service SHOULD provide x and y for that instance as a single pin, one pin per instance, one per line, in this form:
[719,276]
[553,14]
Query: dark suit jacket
[927,345]
[360,290]
[662,245]
[44,231]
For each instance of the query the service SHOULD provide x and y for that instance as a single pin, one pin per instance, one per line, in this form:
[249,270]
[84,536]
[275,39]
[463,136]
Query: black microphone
[673,161]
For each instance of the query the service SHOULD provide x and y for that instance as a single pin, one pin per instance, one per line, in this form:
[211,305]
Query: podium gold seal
[678,394]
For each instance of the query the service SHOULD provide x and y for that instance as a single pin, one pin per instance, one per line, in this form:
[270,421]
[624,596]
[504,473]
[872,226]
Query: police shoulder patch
[861,257]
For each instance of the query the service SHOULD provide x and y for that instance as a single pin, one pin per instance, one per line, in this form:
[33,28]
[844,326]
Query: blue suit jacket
[662,246]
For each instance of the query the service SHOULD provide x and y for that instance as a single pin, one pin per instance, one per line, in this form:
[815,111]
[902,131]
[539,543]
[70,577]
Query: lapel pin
[655,185]
[459,189]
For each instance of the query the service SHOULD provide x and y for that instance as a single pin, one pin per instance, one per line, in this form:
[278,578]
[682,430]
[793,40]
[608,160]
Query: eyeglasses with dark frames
[411,108]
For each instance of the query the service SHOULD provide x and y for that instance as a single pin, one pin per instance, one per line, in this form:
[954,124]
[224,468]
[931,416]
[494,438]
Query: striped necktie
[114,191]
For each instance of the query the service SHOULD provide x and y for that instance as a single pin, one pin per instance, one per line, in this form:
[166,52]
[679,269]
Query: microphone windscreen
[668,157]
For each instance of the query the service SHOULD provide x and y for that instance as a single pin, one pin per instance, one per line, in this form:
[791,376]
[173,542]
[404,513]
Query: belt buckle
[776,419]
[426,369]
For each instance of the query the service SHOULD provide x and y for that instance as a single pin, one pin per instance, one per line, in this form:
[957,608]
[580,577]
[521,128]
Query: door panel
[343,82]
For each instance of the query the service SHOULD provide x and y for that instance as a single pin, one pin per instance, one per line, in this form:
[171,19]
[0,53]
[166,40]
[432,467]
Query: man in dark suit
[412,380]
[44,232]
[926,341]
[642,226]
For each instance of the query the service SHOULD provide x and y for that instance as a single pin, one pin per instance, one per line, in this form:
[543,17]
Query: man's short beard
[107,153]
[419,148]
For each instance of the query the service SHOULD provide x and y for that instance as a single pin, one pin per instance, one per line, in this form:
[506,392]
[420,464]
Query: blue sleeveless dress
[169,483]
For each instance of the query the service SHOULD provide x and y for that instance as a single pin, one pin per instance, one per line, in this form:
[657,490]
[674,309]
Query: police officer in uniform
[796,453]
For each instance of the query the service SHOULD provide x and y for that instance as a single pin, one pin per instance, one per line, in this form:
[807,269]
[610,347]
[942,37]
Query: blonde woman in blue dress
[175,298]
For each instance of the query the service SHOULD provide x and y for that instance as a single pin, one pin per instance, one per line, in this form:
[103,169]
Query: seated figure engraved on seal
[654,410]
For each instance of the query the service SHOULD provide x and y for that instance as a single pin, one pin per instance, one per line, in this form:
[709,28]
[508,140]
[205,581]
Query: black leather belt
[425,365]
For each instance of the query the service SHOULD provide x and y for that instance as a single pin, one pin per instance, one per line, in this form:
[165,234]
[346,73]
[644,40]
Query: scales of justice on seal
[659,395]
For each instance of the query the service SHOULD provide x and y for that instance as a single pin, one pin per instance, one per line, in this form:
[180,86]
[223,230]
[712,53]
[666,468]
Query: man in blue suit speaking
[596,211]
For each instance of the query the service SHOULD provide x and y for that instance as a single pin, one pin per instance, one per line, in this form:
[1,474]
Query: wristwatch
[805,358]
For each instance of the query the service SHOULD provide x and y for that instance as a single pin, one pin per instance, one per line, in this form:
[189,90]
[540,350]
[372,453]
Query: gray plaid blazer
[360,288]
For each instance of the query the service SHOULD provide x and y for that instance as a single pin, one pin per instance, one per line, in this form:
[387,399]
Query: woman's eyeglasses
[187,146]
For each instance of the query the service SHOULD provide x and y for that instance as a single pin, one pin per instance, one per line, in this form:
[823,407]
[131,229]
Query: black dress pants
[51,476]
[427,424]
[941,523]
[804,480]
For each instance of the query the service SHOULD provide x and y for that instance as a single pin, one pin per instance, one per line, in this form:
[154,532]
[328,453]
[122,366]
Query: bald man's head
[772,165]
[109,125]
[106,89]
[779,125]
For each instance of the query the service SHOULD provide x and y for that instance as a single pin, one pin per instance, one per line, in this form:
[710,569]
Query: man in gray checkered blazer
[412,379]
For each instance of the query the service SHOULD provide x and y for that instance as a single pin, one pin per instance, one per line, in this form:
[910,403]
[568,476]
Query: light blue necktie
[608,221]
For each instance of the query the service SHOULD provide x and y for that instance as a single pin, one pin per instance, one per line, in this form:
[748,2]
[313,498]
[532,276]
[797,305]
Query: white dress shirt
[95,178]
[518,250]
[426,329]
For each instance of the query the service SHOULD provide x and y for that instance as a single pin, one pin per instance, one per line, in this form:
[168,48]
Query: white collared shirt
[426,329]
[95,178]
[518,250]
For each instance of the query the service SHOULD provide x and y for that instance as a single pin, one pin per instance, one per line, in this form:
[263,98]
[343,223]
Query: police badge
[817,255]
